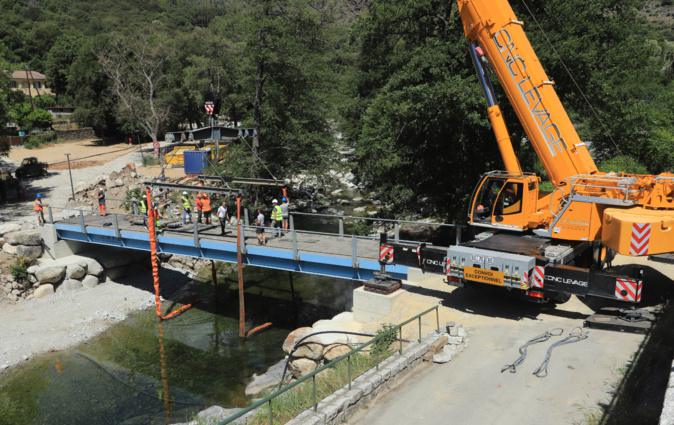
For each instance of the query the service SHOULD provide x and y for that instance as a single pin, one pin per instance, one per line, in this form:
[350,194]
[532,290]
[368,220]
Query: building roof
[28,75]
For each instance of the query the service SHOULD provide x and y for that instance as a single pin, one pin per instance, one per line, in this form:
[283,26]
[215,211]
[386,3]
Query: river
[143,372]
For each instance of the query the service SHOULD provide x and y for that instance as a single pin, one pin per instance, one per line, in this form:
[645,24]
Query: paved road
[472,390]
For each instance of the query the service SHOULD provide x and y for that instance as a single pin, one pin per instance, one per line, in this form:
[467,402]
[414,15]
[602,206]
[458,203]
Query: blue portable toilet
[196,161]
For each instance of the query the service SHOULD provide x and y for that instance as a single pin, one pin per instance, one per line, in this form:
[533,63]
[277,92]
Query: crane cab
[504,201]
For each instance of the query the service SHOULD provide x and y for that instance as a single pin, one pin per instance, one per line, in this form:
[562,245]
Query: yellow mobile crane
[548,245]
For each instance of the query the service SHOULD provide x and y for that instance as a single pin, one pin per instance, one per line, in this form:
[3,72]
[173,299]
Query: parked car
[31,167]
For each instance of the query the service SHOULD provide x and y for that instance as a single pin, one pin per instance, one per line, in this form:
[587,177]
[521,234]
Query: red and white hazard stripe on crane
[538,277]
[641,238]
[386,254]
[628,290]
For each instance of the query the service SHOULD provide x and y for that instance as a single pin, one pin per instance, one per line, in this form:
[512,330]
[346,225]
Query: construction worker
[187,208]
[142,208]
[222,217]
[101,201]
[206,207]
[276,217]
[198,204]
[285,213]
[39,209]
[259,231]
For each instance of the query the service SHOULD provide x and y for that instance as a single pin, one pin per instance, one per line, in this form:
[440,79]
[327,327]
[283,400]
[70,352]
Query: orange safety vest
[206,203]
[199,203]
[38,205]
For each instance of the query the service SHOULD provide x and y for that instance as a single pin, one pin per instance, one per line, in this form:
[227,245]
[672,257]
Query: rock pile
[22,243]
[328,343]
[116,185]
[65,275]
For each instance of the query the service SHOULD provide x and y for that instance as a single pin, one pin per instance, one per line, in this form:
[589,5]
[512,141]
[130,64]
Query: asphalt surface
[472,390]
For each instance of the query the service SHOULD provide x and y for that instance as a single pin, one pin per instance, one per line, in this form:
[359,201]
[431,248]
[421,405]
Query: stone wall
[80,133]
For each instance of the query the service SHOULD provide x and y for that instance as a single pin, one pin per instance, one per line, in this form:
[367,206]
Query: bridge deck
[338,256]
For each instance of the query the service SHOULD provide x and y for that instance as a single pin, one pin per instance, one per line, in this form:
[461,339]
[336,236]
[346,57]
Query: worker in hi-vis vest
[187,208]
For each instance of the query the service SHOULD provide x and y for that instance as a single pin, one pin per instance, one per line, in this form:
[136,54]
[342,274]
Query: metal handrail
[347,356]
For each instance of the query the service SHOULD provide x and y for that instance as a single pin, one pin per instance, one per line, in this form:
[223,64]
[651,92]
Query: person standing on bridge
[259,230]
[276,218]
[285,213]
[206,207]
[187,208]
[101,201]
[222,217]
[198,205]
[39,209]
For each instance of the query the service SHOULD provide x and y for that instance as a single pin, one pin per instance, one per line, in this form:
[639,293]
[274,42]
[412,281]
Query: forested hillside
[392,76]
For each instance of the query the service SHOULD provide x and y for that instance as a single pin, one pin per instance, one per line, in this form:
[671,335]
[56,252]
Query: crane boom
[493,25]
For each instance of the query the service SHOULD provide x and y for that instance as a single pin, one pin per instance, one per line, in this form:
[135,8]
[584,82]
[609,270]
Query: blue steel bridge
[337,255]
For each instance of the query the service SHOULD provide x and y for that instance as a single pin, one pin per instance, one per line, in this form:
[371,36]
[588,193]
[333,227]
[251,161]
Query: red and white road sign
[641,238]
[628,289]
[209,107]
[538,277]
[386,254]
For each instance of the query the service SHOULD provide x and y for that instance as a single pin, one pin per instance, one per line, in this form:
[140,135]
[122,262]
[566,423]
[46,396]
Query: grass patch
[288,405]
[19,270]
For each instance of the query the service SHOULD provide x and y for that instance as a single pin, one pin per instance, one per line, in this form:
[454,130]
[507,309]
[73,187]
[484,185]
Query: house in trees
[31,83]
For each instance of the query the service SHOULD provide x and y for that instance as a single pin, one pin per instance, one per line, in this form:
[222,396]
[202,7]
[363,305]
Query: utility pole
[239,265]
[70,172]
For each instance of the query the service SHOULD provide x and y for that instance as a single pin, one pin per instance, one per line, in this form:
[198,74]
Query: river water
[142,372]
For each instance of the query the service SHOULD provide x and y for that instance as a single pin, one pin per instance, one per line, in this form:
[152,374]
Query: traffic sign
[210,107]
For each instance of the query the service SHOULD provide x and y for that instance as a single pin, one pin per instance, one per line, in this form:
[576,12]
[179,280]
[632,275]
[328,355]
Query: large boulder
[76,271]
[215,415]
[331,352]
[28,251]
[50,274]
[90,281]
[309,350]
[9,227]
[301,367]
[9,249]
[24,237]
[335,329]
[69,285]
[92,266]
[295,336]
[43,291]
[267,380]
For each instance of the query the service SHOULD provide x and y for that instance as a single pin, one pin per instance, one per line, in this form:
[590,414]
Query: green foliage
[36,140]
[623,164]
[29,118]
[19,270]
[387,335]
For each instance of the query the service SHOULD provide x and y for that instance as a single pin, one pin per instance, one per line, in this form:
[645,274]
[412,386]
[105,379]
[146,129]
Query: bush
[388,335]
[132,196]
[19,270]
[36,140]
[623,163]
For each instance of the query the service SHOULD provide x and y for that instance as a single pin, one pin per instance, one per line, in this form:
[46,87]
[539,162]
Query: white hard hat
[274,201]
[185,192]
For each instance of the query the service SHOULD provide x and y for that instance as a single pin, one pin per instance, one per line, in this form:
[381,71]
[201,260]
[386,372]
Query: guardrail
[333,364]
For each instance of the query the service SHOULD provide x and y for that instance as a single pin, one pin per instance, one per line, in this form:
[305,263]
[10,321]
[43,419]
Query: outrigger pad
[382,283]
[638,321]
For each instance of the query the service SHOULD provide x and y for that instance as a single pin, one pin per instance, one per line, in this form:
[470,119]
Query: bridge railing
[341,224]
[394,332]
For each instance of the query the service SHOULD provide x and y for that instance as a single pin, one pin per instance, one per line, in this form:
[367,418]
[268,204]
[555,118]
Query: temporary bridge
[337,255]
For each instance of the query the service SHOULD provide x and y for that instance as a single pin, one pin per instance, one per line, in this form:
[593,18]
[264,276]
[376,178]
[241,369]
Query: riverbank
[59,321]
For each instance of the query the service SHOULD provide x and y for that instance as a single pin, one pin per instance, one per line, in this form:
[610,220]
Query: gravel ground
[57,322]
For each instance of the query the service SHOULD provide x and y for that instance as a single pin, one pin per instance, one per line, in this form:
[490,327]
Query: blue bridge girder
[213,248]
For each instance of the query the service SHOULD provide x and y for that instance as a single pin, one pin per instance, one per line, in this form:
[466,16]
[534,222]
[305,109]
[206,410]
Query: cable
[576,335]
[568,72]
[523,349]
[298,344]
[258,158]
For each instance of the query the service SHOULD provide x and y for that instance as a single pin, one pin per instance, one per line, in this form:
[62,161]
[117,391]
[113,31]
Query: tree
[59,59]
[137,69]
